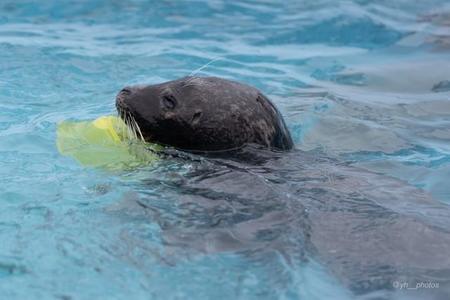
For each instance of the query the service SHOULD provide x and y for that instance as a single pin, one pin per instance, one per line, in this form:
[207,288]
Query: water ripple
[363,86]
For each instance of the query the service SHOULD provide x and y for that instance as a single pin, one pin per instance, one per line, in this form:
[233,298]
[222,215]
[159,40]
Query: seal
[203,114]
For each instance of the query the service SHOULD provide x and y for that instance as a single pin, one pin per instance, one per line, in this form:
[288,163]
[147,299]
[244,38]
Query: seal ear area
[196,117]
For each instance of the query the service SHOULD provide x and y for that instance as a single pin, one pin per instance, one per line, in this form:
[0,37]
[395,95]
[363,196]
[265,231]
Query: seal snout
[125,91]
[122,97]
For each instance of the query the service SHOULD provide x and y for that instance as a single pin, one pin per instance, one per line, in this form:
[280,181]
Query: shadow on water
[370,231]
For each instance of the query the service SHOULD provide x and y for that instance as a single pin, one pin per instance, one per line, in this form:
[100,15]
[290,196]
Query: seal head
[203,114]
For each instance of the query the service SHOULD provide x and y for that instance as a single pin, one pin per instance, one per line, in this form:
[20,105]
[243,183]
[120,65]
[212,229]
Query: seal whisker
[133,129]
[138,129]
[125,120]
[121,116]
[129,129]
[124,128]
[194,81]
[188,82]
[204,66]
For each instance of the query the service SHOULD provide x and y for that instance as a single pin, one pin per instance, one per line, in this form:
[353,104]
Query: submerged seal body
[204,114]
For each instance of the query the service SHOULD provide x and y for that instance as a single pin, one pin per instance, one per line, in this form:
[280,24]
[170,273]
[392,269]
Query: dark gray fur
[204,114]
[369,230]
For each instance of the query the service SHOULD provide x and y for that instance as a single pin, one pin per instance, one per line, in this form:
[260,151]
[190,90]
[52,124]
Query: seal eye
[169,101]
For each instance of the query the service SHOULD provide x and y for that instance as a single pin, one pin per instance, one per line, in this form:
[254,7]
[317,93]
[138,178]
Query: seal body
[204,114]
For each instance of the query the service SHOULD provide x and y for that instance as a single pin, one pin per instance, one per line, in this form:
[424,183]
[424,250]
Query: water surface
[364,87]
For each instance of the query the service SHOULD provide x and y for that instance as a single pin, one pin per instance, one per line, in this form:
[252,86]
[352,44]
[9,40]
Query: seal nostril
[125,91]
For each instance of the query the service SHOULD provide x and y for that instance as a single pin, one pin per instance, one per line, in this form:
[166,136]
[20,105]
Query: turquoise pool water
[363,83]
